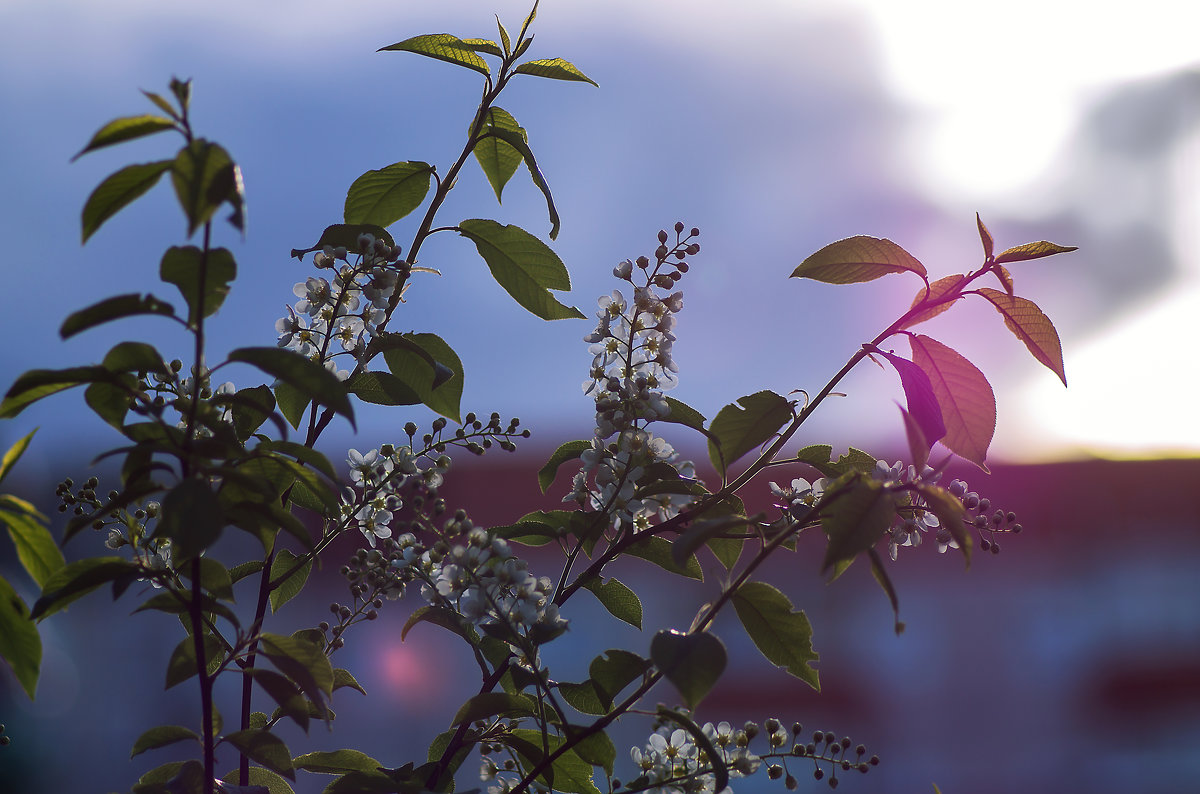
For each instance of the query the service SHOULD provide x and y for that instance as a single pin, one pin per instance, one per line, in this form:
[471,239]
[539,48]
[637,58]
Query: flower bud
[662,236]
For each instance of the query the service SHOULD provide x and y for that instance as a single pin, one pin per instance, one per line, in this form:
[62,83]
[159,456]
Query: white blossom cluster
[480,580]
[347,310]
[377,477]
[631,366]
[909,530]
[672,764]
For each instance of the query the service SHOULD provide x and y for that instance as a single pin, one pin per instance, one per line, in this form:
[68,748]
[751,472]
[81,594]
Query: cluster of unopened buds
[631,366]
[124,528]
[347,309]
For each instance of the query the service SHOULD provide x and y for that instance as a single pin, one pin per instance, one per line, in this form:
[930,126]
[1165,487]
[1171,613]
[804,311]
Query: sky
[776,128]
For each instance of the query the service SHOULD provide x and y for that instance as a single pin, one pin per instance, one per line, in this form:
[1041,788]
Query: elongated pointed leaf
[918,391]
[964,394]
[621,602]
[692,662]
[985,237]
[382,388]
[182,266]
[486,46]
[125,129]
[308,377]
[856,519]
[857,259]
[182,664]
[385,196]
[491,704]
[75,580]
[36,549]
[439,386]
[518,142]
[881,576]
[444,47]
[658,551]
[20,644]
[162,736]
[14,453]
[111,309]
[336,762]
[742,426]
[918,445]
[554,68]
[523,265]
[1029,324]
[781,633]
[569,451]
[204,177]
[499,160]
[262,781]
[290,587]
[117,191]
[943,287]
[303,662]
[1036,250]
[264,747]
[345,235]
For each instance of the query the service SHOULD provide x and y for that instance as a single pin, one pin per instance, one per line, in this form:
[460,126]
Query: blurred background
[1071,661]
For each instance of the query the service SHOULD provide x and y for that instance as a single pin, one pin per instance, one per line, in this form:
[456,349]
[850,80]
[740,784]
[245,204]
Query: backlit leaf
[76,579]
[117,191]
[523,265]
[492,704]
[191,517]
[692,662]
[922,404]
[1029,324]
[439,387]
[36,549]
[967,401]
[569,451]
[290,587]
[855,519]
[881,576]
[205,176]
[264,747]
[126,129]
[20,644]
[517,141]
[444,47]
[14,453]
[554,68]
[385,196]
[621,602]
[857,259]
[744,425]
[182,266]
[499,160]
[938,289]
[985,237]
[308,377]
[1036,250]
[345,235]
[337,762]
[782,634]
[162,736]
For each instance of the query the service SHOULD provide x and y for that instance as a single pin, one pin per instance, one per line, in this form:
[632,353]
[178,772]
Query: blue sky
[775,128]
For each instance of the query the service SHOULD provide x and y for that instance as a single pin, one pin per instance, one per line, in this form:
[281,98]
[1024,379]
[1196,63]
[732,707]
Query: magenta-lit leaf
[857,259]
[1036,250]
[922,404]
[1029,324]
[938,290]
[989,245]
[967,401]
[918,445]
[1005,278]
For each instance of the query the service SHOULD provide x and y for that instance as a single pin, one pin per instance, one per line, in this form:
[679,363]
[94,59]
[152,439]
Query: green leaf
[191,517]
[948,285]
[182,266]
[264,747]
[438,616]
[1036,250]
[182,664]
[118,190]
[111,309]
[517,141]
[881,576]
[444,47]
[382,388]
[77,579]
[308,377]
[499,160]
[336,762]
[742,426]
[290,587]
[485,46]
[598,750]
[14,453]
[569,773]
[1029,324]
[569,451]
[950,513]
[291,701]
[443,395]
[343,678]
[111,402]
[36,549]
[556,69]
[345,235]
[658,551]
[291,402]
[684,414]
[125,129]
[857,259]
[133,357]
[204,177]
[614,670]
[618,599]
[491,704]
[302,662]
[214,578]
[782,634]
[259,778]
[523,265]
[855,519]
[35,384]
[20,644]
[703,532]
[583,697]
[250,408]
[180,603]
[967,401]
[162,736]
[385,196]
[692,662]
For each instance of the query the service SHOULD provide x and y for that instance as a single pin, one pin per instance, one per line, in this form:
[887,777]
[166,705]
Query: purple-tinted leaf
[1029,324]
[968,404]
